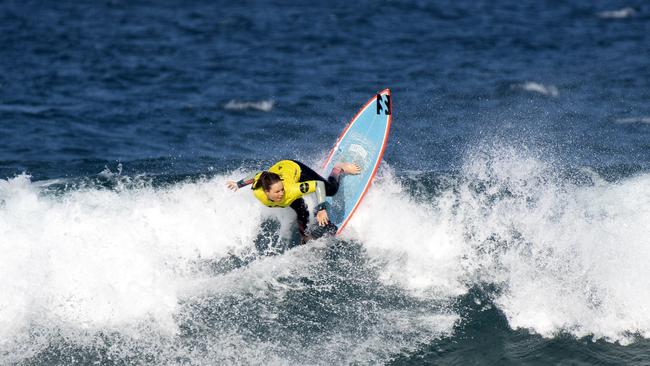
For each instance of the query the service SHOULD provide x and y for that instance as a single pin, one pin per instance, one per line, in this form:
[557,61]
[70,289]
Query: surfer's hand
[232,185]
[322,217]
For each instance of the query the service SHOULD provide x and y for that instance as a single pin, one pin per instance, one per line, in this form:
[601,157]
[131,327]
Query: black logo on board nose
[383,104]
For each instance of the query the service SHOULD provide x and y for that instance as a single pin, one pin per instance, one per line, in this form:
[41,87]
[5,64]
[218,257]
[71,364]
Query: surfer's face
[276,192]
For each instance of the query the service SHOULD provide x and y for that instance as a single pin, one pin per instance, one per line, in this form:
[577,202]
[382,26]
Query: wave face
[191,272]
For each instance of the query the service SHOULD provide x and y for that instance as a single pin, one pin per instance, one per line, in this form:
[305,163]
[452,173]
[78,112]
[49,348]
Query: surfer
[287,181]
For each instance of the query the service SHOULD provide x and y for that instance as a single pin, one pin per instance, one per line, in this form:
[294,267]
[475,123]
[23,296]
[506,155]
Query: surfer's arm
[241,183]
[322,206]
[246,181]
[320,196]
[317,187]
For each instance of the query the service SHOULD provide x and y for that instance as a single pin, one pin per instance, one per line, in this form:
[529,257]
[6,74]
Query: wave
[28,109]
[139,266]
[626,12]
[513,221]
[629,120]
[544,238]
[146,267]
[236,105]
[96,259]
[530,86]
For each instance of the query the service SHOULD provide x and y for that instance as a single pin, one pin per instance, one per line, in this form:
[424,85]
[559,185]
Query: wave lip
[531,86]
[237,105]
[626,12]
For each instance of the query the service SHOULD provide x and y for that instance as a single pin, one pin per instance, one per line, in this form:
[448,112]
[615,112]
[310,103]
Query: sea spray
[567,257]
[417,242]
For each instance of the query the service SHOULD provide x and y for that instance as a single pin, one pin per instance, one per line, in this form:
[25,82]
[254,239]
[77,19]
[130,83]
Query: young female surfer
[287,181]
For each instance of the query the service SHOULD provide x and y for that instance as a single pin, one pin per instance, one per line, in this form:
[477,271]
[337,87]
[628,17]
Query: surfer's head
[272,185]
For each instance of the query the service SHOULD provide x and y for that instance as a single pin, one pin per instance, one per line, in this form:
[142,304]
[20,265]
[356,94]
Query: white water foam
[391,331]
[534,87]
[566,258]
[623,13]
[630,120]
[101,260]
[417,241]
[89,263]
[570,258]
[237,105]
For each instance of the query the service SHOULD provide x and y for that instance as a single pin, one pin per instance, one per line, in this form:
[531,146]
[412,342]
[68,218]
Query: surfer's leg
[303,217]
[335,176]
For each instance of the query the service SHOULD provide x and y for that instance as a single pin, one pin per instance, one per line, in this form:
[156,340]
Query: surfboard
[363,142]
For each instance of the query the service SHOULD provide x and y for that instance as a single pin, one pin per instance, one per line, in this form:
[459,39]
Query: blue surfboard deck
[362,142]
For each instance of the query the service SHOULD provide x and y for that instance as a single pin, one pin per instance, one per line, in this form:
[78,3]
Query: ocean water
[508,223]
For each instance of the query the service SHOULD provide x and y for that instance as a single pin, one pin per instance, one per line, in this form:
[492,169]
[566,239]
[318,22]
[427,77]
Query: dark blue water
[508,224]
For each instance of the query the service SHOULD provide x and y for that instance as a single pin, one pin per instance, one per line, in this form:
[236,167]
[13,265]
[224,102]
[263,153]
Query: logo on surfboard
[383,104]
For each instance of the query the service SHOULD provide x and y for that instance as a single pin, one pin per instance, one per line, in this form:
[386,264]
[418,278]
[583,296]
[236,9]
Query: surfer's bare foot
[349,168]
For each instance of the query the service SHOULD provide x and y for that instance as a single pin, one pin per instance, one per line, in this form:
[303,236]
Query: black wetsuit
[331,187]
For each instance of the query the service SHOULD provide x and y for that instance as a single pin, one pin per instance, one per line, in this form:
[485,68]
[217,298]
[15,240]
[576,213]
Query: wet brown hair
[266,180]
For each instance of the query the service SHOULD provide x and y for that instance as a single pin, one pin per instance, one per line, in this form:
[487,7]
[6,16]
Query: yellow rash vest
[289,172]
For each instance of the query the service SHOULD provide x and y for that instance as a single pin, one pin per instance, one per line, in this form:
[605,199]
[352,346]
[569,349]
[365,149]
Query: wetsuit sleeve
[314,186]
[246,181]
[320,196]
